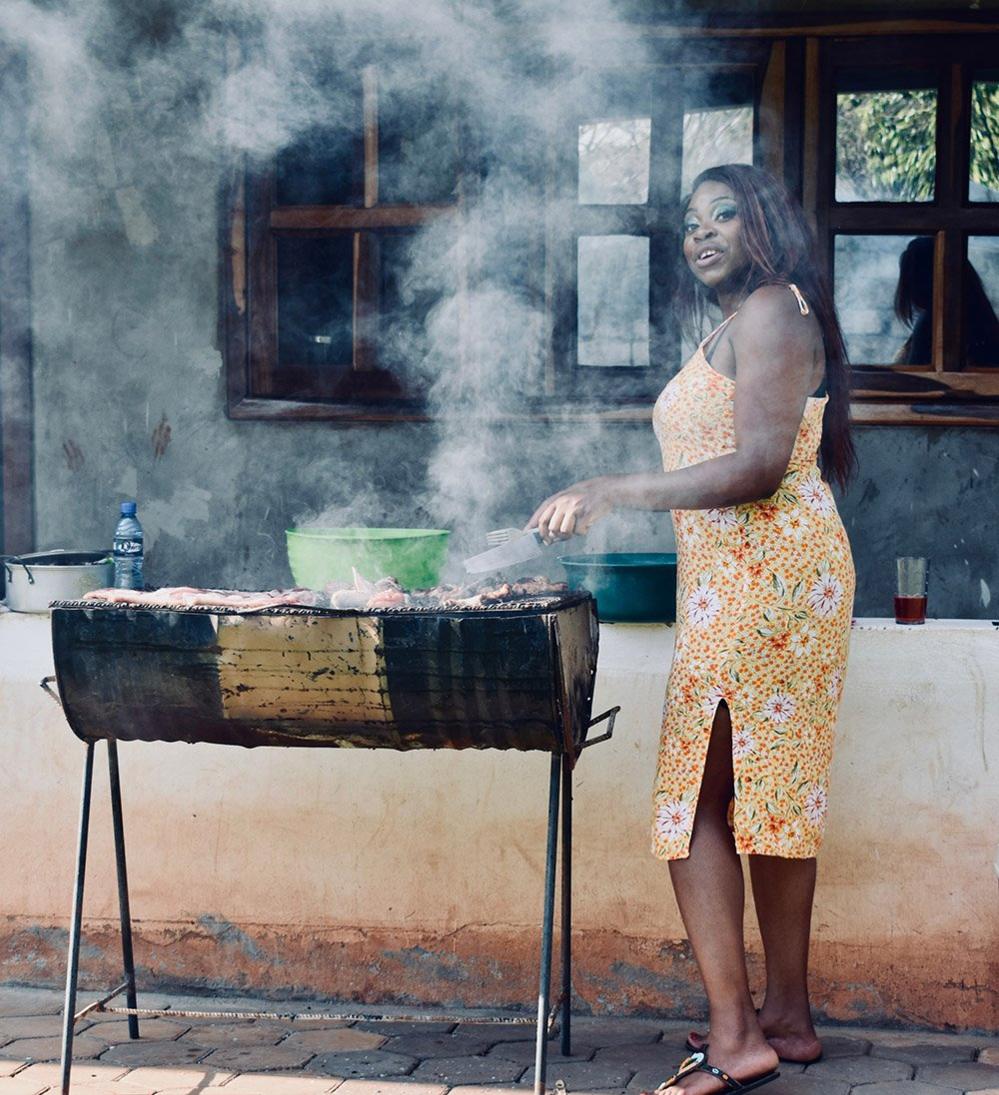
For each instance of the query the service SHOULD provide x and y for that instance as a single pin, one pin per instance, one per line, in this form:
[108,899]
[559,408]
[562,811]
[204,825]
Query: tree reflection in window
[983,185]
[614,162]
[885,141]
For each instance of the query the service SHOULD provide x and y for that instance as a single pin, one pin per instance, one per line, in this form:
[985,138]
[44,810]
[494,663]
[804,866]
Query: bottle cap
[128,509]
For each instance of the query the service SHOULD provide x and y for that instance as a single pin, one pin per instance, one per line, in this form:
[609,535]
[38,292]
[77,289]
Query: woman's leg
[783,890]
[710,892]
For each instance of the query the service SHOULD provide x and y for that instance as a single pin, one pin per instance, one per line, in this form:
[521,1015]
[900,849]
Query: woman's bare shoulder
[771,314]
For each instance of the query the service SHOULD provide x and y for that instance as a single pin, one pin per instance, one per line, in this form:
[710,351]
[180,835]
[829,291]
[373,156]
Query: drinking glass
[910,592]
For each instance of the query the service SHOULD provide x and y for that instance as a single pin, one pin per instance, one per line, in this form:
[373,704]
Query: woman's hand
[573,510]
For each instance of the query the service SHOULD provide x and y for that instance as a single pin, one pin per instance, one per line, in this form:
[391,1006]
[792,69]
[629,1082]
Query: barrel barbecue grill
[511,676]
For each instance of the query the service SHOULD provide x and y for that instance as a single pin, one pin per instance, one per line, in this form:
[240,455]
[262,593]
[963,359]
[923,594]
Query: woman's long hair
[781,249]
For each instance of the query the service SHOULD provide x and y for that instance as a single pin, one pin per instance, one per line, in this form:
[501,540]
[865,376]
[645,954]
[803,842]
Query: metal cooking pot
[33,581]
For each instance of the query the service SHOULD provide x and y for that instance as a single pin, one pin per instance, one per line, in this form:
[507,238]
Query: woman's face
[712,235]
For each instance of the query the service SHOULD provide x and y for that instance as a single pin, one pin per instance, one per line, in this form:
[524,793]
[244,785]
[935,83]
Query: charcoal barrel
[498,678]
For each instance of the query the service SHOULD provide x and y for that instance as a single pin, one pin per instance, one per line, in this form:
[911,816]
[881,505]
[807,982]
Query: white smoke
[131,98]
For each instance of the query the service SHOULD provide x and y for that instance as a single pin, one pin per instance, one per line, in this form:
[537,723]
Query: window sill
[880,412]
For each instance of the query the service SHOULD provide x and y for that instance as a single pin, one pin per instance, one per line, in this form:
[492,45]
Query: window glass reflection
[884,296]
[981,301]
[717,122]
[613,301]
[983,185]
[324,165]
[315,300]
[885,139]
[614,162]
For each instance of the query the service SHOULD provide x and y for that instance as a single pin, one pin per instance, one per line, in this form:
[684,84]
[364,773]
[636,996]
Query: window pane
[884,297]
[981,301]
[614,162]
[717,122]
[325,165]
[984,183]
[417,146]
[315,300]
[613,300]
[885,138]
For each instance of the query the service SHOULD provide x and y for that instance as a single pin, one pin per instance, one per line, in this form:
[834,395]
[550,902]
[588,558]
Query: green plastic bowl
[630,586]
[414,556]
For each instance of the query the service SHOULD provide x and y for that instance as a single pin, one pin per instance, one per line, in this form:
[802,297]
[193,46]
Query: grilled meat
[360,595]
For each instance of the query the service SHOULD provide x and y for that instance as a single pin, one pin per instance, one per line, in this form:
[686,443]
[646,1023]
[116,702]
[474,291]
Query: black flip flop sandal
[698,1062]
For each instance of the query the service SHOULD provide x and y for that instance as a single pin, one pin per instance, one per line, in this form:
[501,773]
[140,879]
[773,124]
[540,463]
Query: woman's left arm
[772,343]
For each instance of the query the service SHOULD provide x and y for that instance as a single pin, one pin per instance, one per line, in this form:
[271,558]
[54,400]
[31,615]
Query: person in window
[914,307]
[752,429]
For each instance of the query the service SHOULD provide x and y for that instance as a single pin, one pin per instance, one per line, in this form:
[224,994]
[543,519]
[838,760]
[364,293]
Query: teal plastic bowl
[630,586]
[414,556]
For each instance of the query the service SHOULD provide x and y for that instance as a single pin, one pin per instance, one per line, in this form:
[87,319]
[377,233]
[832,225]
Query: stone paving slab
[906,1087]
[608,1031]
[497,1032]
[363,1064]
[657,1056]
[423,1046]
[973,1076]
[336,1040]
[29,1026]
[524,1052]
[468,1070]
[251,1083]
[50,1049]
[859,1070]
[392,1087]
[21,1085]
[585,1076]
[152,1053]
[27,1001]
[178,1077]
[116,1030]
[927,1053]
[795,1083]
[401,1028]
[249,1032]
[258,1058]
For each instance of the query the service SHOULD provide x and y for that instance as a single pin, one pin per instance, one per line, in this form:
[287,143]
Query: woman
[765,593]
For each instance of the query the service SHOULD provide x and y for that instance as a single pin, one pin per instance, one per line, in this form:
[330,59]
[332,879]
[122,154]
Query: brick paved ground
[620,1056]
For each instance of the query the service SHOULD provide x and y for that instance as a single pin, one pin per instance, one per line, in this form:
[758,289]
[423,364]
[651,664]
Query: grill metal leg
[566,904]
[73,965]
[545,979]
[124,912]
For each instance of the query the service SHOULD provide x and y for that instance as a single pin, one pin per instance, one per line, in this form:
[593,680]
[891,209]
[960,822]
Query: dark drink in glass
[910,610]
[910,593]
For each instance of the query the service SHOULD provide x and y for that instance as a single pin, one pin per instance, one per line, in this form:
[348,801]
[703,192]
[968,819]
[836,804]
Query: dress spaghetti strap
[711,334]
[802,303]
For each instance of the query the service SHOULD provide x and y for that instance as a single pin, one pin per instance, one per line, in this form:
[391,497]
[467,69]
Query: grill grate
[531,606]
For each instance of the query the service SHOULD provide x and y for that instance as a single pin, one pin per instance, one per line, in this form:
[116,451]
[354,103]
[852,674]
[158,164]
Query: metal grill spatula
[524,546]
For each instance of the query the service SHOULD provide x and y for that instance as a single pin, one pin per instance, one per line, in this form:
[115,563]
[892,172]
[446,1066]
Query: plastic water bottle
[128,550]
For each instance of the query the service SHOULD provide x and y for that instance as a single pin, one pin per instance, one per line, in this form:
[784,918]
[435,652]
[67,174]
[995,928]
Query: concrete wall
[417,877]
[125,345]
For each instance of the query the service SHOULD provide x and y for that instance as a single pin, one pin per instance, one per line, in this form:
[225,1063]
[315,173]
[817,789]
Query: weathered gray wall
[125,319]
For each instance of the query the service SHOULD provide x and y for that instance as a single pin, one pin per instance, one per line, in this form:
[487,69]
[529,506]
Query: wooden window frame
[943,391]
[16,404]
[252,222]
[794,120]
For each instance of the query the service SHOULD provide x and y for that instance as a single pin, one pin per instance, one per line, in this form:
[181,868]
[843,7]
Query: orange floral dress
[764,604]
